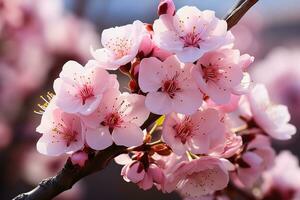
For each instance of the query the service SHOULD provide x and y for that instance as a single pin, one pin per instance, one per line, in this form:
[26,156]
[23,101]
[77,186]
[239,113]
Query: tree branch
[238,12]
[70,174]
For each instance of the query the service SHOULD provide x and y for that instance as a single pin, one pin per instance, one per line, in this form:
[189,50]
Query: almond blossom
[80,89]
[272,118]
[61,132]
[220,74]
[169,86]
[121,45]
[197,133]
[197,178]
[190,33]
[117,119]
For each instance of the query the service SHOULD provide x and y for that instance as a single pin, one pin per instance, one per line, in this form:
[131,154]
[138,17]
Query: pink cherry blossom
[272,118]
[220,74]
[197,133]
[61,132]
[137,172]
[80,89]
[117,119]
[190,33]
[121,45]
[283,179]
[197,178]
[169,86]
[258,157]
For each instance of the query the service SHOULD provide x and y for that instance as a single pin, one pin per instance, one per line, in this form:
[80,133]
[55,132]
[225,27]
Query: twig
[238,3]
[70,174]
[236,193]
[239,11]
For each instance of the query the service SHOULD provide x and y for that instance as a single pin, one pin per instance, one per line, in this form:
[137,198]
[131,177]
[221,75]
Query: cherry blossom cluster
[214,124]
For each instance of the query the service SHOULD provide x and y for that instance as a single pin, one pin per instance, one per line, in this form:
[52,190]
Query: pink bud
[166,7]
[135,172]
[79,158]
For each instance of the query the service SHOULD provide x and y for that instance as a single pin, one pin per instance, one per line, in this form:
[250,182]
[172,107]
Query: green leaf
[160,120]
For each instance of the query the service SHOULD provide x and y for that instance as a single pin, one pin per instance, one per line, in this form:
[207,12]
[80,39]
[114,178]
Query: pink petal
[150,74]
[137,113]
[128,135]
[123,159]
[158,103]
[99,138]
[187,101]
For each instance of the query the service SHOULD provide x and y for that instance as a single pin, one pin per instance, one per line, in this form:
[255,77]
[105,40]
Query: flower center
[170,87]
[120,46]
[66,134]
[191,40]
[211,73]
[86,92]
[112,120]
[183,130]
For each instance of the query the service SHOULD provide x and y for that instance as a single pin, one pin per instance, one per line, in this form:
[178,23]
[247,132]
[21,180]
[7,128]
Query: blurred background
[38,36]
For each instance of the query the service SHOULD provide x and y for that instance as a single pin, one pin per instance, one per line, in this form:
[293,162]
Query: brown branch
[70,174]
[235,192]
[238,12]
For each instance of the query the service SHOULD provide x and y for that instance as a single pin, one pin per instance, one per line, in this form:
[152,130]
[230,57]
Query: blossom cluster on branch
[215,124]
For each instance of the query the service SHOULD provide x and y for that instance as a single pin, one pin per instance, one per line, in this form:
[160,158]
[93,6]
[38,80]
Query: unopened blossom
[282,180]
[169,86]
[258,157]
[197,133]
[137,172]
[190,33]
[221,73]
[197,178]
[120,45]
[272,118]
[80,89]
[117,119]
[166,7]
[79,158]
[61,132]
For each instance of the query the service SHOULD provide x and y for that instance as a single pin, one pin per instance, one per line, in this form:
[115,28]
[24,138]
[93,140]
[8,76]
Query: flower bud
[166,7]
[135,172]
[79,158]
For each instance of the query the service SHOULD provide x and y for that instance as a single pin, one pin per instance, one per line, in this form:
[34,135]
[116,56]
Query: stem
[238,12]
[70,174]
